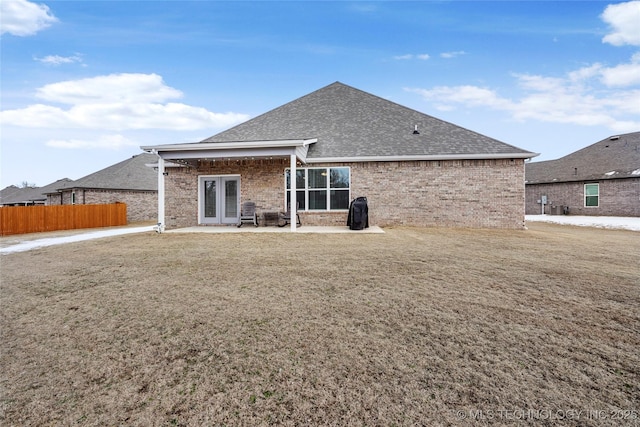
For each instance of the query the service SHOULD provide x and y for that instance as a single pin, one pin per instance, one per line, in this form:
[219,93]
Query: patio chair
[248,214]
[285,218]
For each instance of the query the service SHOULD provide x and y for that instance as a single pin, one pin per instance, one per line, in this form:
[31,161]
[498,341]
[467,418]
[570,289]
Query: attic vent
[415,130]
[613,138]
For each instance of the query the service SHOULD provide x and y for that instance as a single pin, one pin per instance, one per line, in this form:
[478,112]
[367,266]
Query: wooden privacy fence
[33,219]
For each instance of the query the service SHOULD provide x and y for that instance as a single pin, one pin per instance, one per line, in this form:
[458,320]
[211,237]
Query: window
[73,197]
[320,189]
[591,195]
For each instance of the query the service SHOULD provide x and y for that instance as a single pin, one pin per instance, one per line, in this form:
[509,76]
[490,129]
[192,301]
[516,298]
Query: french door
[218,199]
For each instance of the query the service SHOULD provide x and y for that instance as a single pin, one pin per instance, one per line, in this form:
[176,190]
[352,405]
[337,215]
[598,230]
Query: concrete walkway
[25,242]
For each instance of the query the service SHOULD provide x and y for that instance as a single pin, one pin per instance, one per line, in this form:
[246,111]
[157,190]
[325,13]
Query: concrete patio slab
[250,229]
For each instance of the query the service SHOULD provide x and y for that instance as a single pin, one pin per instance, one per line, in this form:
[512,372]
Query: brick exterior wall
[618,197]
[460,193]
[469,193]
[141,205]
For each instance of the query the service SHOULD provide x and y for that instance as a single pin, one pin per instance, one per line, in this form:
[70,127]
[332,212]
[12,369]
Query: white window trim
[306,188]
[596,195]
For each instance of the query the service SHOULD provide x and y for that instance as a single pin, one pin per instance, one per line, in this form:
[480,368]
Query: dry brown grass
[413,327]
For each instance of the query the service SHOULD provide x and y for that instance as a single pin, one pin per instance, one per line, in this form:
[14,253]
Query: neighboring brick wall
[141,205]
[54,199]
[59,199]
[469,193]
[618,197]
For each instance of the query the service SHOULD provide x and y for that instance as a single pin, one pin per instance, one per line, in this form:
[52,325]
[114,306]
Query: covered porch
[202,184]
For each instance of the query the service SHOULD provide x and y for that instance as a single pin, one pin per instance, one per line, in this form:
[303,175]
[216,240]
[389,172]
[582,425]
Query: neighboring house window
[591,195]
[73,197]
[320,189]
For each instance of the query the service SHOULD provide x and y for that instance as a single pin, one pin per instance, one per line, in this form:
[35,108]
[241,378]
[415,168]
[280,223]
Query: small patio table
[269,218]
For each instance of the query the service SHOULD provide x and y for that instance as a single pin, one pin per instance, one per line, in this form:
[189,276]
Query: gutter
[423,157]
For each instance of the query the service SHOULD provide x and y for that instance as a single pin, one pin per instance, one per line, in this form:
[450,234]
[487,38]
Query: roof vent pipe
[415,130]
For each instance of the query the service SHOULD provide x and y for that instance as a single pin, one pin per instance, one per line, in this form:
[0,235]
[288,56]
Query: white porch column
[161,224]
[293,179]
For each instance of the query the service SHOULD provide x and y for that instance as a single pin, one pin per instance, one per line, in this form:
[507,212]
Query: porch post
[293,200]
[161,224]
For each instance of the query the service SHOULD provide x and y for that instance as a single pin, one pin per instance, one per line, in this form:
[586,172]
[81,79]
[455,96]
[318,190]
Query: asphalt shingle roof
[15,195]
[130,174]
[612,158]
[350,123]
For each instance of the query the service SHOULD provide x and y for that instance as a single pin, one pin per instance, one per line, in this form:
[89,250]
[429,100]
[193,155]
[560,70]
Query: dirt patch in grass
[413,327]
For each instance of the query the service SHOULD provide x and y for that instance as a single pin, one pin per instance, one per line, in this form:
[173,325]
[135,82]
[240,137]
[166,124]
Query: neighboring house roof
[352,125]
[130,174]
[612,158]
[8,192]
[29,195]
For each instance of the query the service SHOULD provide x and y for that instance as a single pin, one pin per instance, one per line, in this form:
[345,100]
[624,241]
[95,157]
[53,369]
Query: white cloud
[23,18]
[363,7]
[111,142]
[624,18]
[449,55]
[116,102]
[408,56]
[59,60]
[585,73]
[138,88]
[446,96]
[590,96]
[623,74]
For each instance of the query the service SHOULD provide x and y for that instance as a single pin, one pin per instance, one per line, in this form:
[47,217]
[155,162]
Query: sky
[84,84]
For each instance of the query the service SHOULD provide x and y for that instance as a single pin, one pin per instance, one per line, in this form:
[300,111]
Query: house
[341,143]
[29,196]
[601,179]
[131,181]
[8,194]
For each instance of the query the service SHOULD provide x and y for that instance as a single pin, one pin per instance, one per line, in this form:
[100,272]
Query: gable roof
[353,125]
[19,196]
[130,174]
[612,158]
